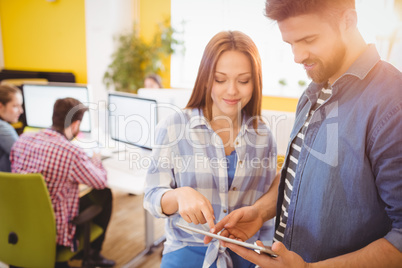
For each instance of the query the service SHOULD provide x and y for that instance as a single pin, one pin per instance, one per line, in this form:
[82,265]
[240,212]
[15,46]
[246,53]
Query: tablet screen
[226,239]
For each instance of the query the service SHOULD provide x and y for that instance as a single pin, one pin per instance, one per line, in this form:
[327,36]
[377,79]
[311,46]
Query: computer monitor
[176,96]
[132,119]
[170,100]
[39,100]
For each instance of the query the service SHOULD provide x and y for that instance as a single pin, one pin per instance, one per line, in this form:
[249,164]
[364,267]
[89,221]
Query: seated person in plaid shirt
[64,166]
[214,156]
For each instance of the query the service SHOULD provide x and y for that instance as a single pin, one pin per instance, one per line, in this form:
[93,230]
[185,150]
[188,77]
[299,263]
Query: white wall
[203,19]
[105,19]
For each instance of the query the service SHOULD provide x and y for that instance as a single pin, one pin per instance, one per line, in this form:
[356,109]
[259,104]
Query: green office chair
[28,226]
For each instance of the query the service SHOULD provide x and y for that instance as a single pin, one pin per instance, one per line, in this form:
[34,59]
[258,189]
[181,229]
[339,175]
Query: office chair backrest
[27,223]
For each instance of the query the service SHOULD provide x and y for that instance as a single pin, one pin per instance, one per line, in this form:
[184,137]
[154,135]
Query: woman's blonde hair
[7,91]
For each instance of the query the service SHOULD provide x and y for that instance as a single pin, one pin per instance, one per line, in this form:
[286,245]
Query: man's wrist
[261,210]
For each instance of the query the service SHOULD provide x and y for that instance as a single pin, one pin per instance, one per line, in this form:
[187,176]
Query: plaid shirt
[64,166]
[189,153]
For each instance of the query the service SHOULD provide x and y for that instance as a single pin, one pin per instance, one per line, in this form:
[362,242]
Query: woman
[153,81]
[10,111]
[214,157]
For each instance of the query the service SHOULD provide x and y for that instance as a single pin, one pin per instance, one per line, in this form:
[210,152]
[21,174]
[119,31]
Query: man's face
[316,44]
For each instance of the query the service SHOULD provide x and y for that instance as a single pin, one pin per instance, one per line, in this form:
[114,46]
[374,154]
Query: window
[200,20]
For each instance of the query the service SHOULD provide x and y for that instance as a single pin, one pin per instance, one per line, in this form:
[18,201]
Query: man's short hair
[280,10]
[67,111]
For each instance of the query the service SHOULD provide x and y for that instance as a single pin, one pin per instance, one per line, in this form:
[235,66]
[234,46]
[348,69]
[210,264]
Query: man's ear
[349,19]
[72,128]
[75,126]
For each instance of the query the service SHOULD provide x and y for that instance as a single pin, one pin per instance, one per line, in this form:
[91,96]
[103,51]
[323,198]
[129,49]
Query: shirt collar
[360,68]
[198,119]
[54,133]
[364,63]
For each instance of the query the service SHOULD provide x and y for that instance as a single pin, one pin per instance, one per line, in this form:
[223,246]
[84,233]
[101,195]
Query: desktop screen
[40,98]
[132,119]
[175,96]
[170,100]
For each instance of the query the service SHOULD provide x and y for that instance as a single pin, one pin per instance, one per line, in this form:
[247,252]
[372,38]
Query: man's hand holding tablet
[265,250]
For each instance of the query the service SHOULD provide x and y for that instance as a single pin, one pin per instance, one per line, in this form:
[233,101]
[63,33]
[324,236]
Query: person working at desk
[153,81]
[10,111]
[213,157]
[340,195]
[64,166]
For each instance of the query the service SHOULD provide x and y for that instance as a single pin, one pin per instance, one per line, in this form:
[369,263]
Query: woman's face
[232,87]
[150,83]
[12,110]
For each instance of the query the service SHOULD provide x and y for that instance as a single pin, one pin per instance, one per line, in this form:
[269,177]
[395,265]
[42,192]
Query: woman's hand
[192,206]
[241,223]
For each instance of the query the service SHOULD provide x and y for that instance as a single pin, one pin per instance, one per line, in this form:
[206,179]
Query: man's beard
[321,73]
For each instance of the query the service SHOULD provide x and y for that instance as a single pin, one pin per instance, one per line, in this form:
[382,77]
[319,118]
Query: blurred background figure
[152,81]
[10,111]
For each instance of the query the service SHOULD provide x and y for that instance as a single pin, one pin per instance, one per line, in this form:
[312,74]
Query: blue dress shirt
[347,190]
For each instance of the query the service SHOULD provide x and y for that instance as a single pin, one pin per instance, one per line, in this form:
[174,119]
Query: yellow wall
[150,14]
[279,104]
[44,36]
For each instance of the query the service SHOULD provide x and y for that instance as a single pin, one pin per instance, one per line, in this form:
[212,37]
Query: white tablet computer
[226,239]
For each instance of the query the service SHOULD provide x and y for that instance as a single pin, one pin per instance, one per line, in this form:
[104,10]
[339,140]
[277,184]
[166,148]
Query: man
[64,166]
[339,202]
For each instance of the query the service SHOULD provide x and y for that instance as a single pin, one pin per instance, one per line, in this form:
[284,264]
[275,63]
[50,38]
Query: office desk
[84,189]
[126,172]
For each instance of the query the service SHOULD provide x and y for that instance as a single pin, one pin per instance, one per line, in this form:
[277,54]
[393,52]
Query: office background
[78,35]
